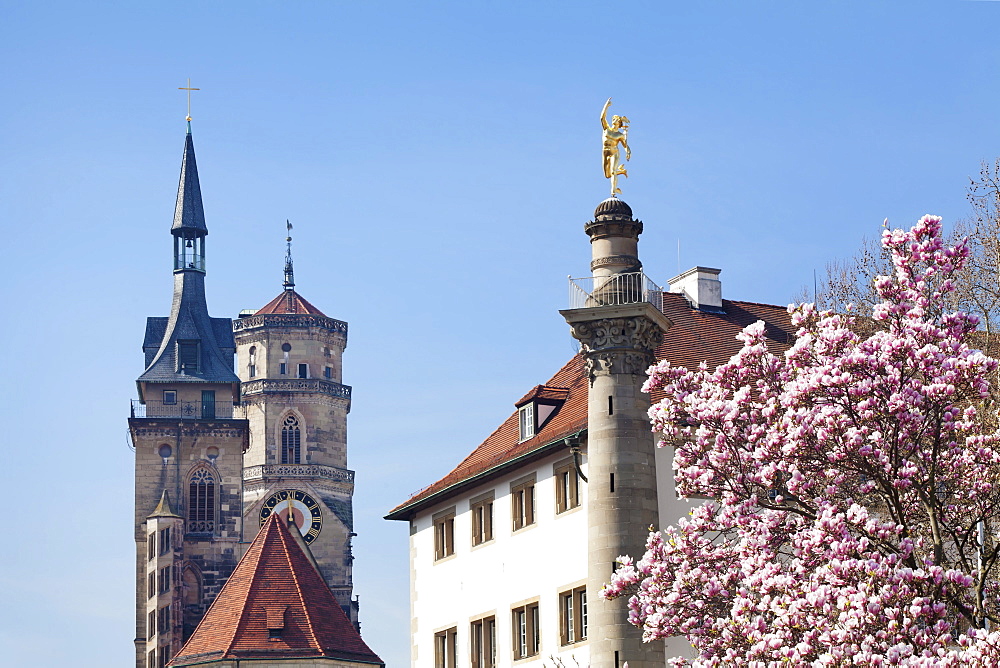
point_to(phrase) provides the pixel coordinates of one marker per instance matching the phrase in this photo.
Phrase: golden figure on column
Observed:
(614, 134)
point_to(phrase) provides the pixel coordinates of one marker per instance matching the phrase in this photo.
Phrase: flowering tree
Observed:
(977, 289)
(854, 487)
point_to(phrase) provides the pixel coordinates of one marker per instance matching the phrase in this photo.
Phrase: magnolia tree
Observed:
(853, 486)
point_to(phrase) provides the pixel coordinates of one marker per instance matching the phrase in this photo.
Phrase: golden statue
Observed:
(614, 134)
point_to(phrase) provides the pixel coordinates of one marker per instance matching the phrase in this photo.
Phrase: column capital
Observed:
(617, 339)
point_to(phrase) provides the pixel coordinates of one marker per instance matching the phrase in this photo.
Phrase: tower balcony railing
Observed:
(183, 410)
(298, 471)
(616, 290)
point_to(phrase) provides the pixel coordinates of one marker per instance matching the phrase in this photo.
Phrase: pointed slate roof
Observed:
(288, 302)
(189, 213)
(189, 319)
(275, 586)
(163, 508)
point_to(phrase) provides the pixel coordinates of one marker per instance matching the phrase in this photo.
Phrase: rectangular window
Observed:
(169, 397)
(483, 641)
(446, 648)
(151, 585)
(573, 615)
(525, 630)
(164, 656)
(282, 368)
(303, 371)
(252, 370)
(165, 579)
(187, 355)
(151, 625)
(164, 540)
(567, 487)
(151, 546)
(526, 421)
(164, 620)
(444, 534)
(482, 519)
(522, 503)
(328, 372)
(151, 659)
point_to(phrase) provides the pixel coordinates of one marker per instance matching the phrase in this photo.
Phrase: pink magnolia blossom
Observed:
(855, 486)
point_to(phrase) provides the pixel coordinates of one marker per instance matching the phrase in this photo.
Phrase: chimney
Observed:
(701, 286)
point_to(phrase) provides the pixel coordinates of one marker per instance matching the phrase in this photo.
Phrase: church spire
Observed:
(189, 227)
(189, 345)
(289, 272)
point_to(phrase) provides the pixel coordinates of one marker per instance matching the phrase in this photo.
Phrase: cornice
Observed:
(289, 320)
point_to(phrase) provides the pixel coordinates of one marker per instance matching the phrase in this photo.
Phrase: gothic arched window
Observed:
(291, 441)
(190, 587)
(201, 502)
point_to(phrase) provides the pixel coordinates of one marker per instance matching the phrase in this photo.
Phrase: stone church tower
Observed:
(290, 361)
(189, 447)
(218, 450)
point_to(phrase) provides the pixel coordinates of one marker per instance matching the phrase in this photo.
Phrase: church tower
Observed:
(189, 440)
(289, 358)
(619, 329)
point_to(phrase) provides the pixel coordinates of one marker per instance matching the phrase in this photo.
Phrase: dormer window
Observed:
(526, 421)
(275, 620)
(187, 356)
(536, 408)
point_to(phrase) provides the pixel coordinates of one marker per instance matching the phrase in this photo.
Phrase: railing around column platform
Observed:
(628, 288)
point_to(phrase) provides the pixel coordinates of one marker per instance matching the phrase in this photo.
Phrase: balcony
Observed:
(298, 471)
(282, 385)
(183, 410)
(617, 290)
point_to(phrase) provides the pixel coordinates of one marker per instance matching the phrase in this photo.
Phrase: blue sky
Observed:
(438, 161)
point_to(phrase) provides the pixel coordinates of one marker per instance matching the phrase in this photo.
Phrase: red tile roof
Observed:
(275, 579)
(289, 301)
(545, 393)
(695, 336)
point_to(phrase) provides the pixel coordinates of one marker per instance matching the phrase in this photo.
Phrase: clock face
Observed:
(305, 509)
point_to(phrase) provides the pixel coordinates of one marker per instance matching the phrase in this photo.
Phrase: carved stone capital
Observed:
(622, 345)
(630, 332)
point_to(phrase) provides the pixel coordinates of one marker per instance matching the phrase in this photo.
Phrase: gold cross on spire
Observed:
(188, 89)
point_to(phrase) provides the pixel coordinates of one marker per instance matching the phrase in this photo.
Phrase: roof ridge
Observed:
(744, 301)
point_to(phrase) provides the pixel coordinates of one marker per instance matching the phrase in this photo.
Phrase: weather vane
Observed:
(614, 134)
(289, 272)
(188, 89)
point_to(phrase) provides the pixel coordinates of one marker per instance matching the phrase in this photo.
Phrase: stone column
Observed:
(618, 343)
